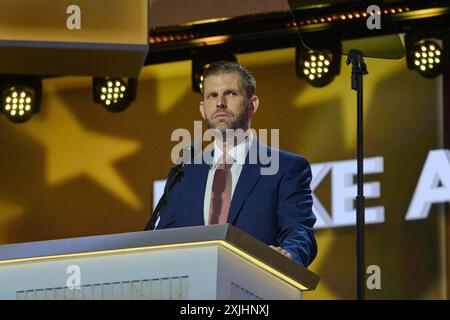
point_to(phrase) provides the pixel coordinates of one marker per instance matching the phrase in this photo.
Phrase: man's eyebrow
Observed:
(236, 89)
(209, 92)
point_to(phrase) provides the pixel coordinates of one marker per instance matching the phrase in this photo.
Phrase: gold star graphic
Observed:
(74, 151)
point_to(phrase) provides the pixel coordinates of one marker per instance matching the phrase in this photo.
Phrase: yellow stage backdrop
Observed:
(76, 170)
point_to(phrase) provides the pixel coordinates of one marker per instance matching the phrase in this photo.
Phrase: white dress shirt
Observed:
(238, 153)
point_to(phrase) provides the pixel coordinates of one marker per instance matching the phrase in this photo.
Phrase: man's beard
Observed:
(240, 122)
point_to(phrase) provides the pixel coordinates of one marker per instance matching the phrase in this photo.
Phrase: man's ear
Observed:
(202, 110)
(254, 104)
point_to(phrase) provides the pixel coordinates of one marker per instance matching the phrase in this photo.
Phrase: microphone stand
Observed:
(355, 57)
(175, 175)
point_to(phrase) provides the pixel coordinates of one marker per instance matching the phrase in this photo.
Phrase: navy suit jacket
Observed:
(275, 209)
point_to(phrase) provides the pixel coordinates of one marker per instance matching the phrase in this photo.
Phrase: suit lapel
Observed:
(249, 176)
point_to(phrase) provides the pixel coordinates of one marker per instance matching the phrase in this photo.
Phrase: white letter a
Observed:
(74, 20)
(433, 186)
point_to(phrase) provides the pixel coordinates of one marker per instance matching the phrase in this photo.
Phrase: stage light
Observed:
(197, 84)
(115, 94)
(203, 60)
(317, 68)
(427, 58)
(20, 97)
(427, 52)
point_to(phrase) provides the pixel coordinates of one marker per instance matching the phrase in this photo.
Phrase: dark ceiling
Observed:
(180, 29)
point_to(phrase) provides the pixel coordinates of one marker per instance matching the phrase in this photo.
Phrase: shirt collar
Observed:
(238, 153)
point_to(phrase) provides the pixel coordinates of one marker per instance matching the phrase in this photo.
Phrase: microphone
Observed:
(175, 175)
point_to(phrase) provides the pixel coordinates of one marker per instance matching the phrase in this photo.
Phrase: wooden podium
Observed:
(204, 262)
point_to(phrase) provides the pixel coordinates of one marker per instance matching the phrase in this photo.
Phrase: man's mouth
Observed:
(221, 116)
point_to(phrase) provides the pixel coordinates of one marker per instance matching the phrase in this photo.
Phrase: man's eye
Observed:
(232, 93)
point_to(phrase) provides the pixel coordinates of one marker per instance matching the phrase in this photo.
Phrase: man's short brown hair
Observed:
(223, 66)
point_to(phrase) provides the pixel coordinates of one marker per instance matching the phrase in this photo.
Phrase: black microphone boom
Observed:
(175, 175)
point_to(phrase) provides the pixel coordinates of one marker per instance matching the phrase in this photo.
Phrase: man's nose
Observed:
(221, 102)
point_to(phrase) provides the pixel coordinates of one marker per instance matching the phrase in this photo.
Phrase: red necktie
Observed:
(220, 194)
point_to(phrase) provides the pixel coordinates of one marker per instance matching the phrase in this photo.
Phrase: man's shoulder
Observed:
(284, 156)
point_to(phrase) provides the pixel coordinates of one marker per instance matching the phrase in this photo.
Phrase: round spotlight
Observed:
(199, 77)
(114, 94)
(316, 68)
(18, 103)
(424, 56)
(200, 82)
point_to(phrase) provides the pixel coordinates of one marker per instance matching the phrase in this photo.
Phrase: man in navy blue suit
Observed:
(236, 186)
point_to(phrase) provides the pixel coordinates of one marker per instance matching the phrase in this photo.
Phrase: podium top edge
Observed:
(236, 240)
